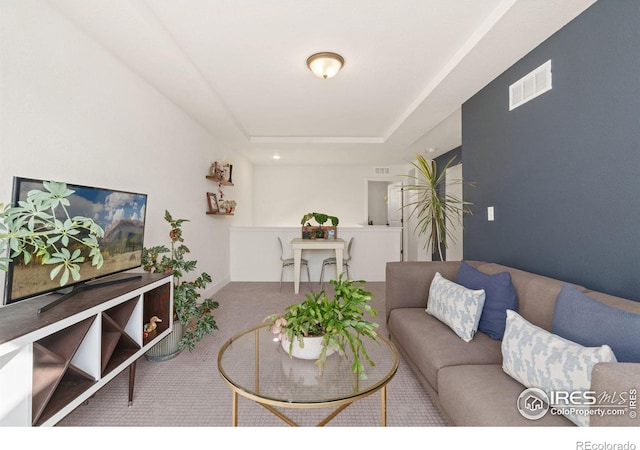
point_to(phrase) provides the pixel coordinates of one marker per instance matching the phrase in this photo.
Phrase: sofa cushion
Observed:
(538, 358)
(500, 296)
(536, 294)
(616, 377)
(588, 322)
(458, 307)
(483, 395)
(432, 345)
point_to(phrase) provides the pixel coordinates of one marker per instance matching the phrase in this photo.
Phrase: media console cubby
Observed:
(53, 361)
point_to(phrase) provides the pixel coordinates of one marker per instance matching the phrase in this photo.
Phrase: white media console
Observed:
(51, 362)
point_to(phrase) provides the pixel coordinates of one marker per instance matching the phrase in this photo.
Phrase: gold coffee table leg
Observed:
(383, 406)
(234, 410)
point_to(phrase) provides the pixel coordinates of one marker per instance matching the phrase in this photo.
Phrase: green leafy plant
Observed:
(196, 316)
(41, 228)
(320, 218)
(435, 209)
(339, 320)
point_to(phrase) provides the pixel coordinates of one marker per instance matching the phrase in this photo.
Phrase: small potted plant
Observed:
(193, 319)
(320, 231)
(337, 323)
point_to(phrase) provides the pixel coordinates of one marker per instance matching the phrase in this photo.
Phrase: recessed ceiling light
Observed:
(276, 156)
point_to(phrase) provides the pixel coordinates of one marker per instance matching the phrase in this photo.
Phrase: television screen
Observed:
(121, 215)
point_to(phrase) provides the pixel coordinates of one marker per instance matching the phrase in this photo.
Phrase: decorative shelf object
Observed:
(220, 173)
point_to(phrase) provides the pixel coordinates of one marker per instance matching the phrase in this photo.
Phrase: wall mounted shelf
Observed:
(219, 181)
(212, 198)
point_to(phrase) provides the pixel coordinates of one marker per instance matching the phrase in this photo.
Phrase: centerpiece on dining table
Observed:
(319, 231)
(328, 325)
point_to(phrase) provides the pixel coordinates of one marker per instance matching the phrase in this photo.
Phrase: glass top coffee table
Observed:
(258, 368)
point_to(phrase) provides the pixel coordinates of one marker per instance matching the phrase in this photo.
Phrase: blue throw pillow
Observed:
(591, 323)
(500, 296)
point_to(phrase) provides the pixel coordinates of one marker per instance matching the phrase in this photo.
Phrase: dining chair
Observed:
(332, 261)
(289, 262)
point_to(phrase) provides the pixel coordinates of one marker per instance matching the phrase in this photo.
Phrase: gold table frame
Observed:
(270, 403)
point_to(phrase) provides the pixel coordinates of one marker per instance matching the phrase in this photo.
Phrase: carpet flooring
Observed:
(187, 391)
(184, 401)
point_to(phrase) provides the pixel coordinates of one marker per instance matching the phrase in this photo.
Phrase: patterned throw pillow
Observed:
(537, 358)
(458, 307)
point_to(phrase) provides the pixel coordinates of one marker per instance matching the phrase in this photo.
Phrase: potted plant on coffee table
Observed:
(338, 324)
(193, 319)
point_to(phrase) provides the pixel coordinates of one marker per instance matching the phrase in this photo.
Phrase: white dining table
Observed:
(299, 244)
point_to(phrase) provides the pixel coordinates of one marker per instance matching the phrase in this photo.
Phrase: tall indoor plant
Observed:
(339, 321)
(435, 209)
(40, 228)
(193, 319)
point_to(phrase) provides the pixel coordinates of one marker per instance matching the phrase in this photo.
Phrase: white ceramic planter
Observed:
(311, 349)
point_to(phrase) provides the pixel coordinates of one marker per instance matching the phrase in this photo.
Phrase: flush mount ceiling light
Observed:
(325, 64)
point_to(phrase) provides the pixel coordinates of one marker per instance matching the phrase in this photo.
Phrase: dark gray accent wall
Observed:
(563, 170)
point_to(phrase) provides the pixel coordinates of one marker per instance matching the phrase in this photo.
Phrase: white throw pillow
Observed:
(455, 305)
(539, 359)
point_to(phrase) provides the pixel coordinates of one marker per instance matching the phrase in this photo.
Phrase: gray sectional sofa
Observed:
(466, 379)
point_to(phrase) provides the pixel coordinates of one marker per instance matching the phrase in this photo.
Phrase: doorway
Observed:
(378, 202)
(385, 206)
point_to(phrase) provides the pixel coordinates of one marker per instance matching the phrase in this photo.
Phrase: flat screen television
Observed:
(120, 214)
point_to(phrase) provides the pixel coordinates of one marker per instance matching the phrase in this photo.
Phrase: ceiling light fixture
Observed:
(325, 64)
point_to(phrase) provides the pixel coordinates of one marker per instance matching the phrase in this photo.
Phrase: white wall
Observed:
(283, 194)
(256, 255)
(70, 111)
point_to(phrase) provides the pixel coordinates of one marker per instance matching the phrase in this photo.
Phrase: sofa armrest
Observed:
(617, 379)
(407, 283)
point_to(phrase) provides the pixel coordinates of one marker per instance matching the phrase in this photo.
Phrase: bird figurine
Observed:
(149, 327)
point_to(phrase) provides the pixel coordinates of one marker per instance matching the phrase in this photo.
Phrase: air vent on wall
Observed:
(382, 171)
(530, 86)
